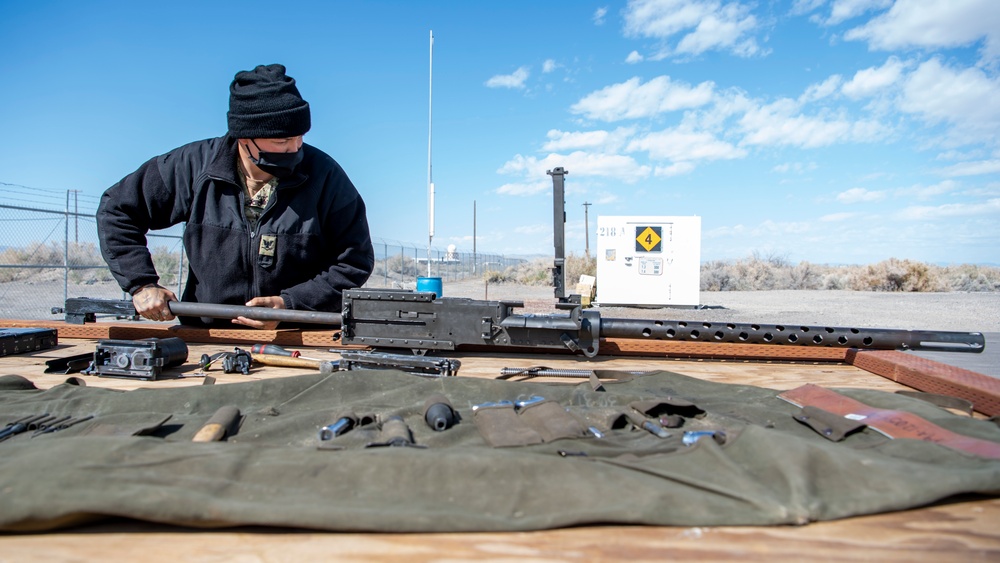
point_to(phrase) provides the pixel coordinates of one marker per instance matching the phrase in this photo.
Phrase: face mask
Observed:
(278, 164)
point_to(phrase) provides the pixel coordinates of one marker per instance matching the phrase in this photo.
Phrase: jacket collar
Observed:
(223, 165)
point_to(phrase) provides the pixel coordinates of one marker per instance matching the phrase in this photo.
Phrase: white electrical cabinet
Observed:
(648, 260)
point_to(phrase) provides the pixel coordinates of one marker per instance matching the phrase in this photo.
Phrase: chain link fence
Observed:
(47, 256)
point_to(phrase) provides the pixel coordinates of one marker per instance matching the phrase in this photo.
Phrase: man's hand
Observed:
(274, 302)
(151, 302)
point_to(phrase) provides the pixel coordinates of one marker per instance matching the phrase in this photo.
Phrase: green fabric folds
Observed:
(275, 471)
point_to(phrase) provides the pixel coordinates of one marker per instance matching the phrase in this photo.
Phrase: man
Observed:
(271, 221)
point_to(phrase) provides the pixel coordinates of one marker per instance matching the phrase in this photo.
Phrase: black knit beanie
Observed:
(265, 104)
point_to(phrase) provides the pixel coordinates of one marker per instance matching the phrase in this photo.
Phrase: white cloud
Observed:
(860, 195)
(974, 168)
(678, 145)
(780, 123)
(675, 169)
(800, 7)
(965, 98)
(634, 58)
(525, 188)
(929, 24)
(922, 192)
(922, 213)
(549, 65)
(632, 99)
(837, 217)
(599, 15)
(514, 80)
(842, 10)
(870, 81)
(580, 164)
(604, 141)
(702, 24)
(795, 167)
(821, 90)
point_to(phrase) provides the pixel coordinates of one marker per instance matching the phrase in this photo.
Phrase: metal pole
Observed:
(430, 177)
(559, 230)
(76, 217)
(66, 252)
(474, 262)
(586, 228)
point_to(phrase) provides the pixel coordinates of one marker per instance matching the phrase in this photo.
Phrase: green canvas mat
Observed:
(770, 469)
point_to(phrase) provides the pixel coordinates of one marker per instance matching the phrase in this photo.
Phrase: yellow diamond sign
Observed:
(648, 239)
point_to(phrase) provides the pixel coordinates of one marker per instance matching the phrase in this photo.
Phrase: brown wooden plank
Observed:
(720, 350)
(141, 329)
(932, 377)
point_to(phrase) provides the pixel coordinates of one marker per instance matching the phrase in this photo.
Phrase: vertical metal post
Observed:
(474, 237)
(559, 230)
(586, 228)
(66, 252)
(76, 216)
(430, 177)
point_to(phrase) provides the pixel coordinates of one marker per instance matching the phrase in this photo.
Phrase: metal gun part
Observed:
(417, 365)
(137, 359)
(421, 322)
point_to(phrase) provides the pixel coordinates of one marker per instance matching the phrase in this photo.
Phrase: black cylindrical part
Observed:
(216, 311)
(439, 417)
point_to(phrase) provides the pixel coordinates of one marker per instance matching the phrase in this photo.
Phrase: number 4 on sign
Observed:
(648, 239)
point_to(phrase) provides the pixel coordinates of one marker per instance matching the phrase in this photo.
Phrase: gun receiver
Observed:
(386, 318)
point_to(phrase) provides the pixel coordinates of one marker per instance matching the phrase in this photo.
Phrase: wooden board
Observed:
(967, 529)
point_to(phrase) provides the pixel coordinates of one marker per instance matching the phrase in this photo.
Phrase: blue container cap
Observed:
(431, 284)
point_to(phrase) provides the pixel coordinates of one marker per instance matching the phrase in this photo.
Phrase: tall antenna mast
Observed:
(430, 177)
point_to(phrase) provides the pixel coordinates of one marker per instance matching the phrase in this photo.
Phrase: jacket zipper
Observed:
(254, 248)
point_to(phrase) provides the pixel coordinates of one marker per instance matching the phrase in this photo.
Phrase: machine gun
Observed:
(421, 322)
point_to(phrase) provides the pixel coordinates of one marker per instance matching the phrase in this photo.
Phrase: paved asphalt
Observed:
(987, 362)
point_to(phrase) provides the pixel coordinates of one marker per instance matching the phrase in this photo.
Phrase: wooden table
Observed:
(962, 529)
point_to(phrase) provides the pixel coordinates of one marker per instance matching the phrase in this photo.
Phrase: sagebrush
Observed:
(768, 272)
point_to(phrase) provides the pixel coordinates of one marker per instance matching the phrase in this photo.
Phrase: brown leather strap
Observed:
(892, 423)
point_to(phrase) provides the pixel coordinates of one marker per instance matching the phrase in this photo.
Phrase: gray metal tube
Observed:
(216, 311)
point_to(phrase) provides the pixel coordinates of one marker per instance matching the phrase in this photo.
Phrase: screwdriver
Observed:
(273, 349)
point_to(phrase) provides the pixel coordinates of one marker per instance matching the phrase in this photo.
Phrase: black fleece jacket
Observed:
(311, 243)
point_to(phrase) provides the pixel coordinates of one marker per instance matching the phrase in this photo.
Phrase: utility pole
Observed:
(586, 227)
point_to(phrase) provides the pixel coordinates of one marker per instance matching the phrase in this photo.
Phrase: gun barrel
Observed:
(217, 311)
(795, 335)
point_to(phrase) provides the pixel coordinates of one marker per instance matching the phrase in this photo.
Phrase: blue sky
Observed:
(829, 131)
